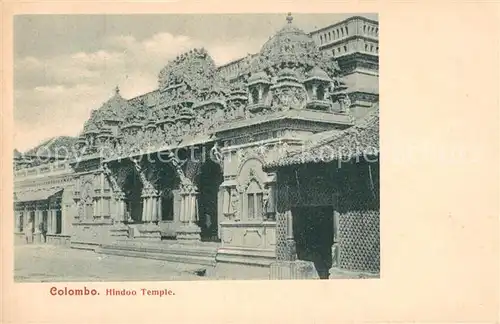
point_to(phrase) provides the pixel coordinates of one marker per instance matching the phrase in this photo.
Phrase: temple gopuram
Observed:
(191, 172)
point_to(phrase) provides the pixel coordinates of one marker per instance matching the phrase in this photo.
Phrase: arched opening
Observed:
(167, 205)
(313, 233)
(133, 190)
(254, 200)
(255, 95)
(208, 180)
(320, 92)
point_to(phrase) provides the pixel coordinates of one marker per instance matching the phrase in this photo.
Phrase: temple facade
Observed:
(179, 171)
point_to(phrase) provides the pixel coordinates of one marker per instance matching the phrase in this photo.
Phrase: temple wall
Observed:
(362, 81)
(58, 239)
(254, 235)
(247, 235)
(90, 235)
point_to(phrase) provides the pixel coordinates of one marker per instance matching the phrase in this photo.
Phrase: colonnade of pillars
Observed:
(151, 207)
(50, 224)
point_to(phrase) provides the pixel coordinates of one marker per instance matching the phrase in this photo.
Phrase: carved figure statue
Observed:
(217, 154)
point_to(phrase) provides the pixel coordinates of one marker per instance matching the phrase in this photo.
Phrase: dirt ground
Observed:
(46, 263)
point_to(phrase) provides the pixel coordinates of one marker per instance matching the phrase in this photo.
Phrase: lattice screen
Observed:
(359, 240)
(281, 247)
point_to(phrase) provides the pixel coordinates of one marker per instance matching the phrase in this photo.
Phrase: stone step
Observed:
(161, 246)
(201, 255)
(83, 245)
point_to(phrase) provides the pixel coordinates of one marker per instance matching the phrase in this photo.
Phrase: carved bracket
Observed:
(148, 189)
(119, 194)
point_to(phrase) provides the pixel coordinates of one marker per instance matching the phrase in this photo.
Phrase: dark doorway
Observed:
(58, 221)
(167, 206)
(209, 180)
(133, 191)
(32, 220)
(45, 222)
(313, 233)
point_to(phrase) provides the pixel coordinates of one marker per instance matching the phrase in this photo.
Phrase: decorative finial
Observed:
(117, 90)
(289, 18)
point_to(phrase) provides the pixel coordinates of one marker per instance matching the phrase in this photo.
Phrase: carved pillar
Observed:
(119, 203)
(159, 209)
(149, 230)
(144, 207)
(119, 196)
(150, 204)
(119, 228)
(226, 196)
(314, 91)
(49, 221)
(189, 231)
(37, 238)
(54, 221)
(290, 241)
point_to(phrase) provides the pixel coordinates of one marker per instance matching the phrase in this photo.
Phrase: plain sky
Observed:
(67, 65)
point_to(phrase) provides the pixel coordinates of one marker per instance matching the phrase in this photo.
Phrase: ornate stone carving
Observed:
(294, 48)
(193, 97)
(235, 201)
(192, 74)
(148, 190)
(117, 191)
(288, 97)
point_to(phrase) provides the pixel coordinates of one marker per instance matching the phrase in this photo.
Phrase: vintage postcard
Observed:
(172, 157)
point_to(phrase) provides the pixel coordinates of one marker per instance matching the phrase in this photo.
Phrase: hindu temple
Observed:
(201, 170)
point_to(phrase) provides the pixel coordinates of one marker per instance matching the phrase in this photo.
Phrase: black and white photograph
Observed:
(187, 147)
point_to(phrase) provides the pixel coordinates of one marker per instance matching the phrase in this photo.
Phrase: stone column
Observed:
(159, 211)
(314, 91)
(144, 208)
(189, 231)
(290, 241)
(26, 218)
(94, 208)
(119, 206)
(225, 200)
(54, 220)
(37, 237)
(154, 209)
(101, 198)
(119, 229)
(182, 216)
(49, 222)
(149, 230)
(261, 93)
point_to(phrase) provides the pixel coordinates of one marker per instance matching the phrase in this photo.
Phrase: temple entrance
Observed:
(167, 205)
(209, 180)
(313, 233)
(133, 191)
